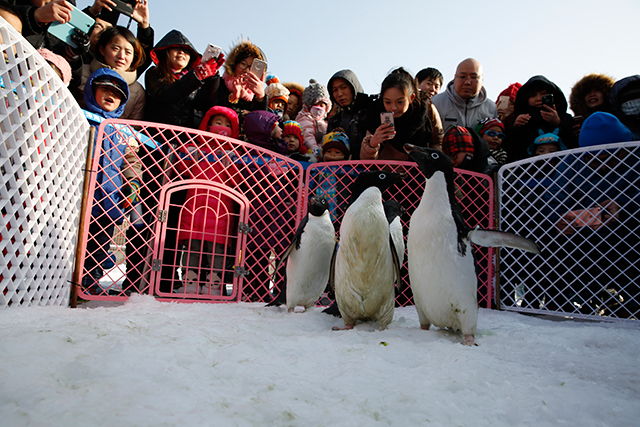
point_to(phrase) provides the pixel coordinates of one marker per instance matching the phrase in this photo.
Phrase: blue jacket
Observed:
(109, 180)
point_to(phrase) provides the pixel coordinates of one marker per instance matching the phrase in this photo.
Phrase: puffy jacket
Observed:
(625, 90)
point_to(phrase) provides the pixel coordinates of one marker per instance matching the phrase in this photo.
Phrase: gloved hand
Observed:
(132, 194)
(209, 68)
(81, 39)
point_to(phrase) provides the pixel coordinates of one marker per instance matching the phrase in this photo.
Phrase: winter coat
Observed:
(181, 102)
(314, 130)
(351, 118)
(134, 109)
(109, 179)
(625, 90)
(455, 110)
(206, 215)
(258, 126)
(583, 87)
(413, 127)
(520, 138)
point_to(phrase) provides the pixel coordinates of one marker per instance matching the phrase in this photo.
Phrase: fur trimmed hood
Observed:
(585, 85)
(243, 49)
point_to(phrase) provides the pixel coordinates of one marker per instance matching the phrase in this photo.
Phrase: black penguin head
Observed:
(392, 210)
(374, 178)
(429, 160)
(318, 205)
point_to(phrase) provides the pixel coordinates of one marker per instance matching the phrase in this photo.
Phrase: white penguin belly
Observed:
(443, 282)
(308, 267)
(364, 271)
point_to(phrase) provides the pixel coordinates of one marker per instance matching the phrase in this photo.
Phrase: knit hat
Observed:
(337, 139)
(315, 93)
(546, 138)
(510, 91)
(603, 128)
(488, 123)
(292, 127)
(228, 113)
(275, 90)
(457, 140)
(59, 62)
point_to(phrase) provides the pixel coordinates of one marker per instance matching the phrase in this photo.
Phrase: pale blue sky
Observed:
(514, 40)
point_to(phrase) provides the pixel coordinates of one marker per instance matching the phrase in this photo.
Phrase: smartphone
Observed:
(258, 67)
(212, 51)
(124, 7)
(386, 118)
(547, 100)
(78, 20)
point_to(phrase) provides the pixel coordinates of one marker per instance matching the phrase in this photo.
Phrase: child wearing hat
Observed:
(492, 131)
(335, 146)
(315, 107)
(293, 135)
(105, 96)
(546, 143)
(457, 143)
(277, 97)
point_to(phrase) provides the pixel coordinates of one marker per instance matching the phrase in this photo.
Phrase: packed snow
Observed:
(148, 363)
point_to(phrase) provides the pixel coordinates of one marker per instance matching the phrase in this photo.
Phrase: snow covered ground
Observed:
(147, 363)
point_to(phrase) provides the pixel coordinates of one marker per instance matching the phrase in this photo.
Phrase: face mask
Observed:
(220, 130)
(631, 108)
(317, 112)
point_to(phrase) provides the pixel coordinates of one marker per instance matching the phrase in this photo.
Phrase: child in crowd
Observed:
(293, 135)
(492, 131)
(466, 150)
(335, 148)
(277, 97)
(295, 99)
(105, 96)
(546, 143)
(315, 106)
(262, 129)
(411, 124)
(58, 63)
(206, 219)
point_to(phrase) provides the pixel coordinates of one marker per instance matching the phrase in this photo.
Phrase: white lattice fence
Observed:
(582, 207)
(42, 155)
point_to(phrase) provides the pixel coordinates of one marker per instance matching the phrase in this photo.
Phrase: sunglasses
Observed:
(493, 134)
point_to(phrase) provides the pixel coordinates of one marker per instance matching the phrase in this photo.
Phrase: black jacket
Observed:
(519, 139)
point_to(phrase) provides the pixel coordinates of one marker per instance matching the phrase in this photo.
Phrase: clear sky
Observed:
(514, 40)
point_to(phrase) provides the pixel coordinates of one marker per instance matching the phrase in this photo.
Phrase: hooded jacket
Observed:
(455, 110)
(583, 87)
(351, 118)
(258, 126)
(625, 90)
(207, 215)
(519, 138)
(183, 101)
(109, 178)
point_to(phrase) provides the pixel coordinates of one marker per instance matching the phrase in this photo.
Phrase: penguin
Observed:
(393, 211)
(441, 263)
(308, 258)
(366, 263)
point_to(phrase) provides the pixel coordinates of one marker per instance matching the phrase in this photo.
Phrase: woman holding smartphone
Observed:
(397, 117)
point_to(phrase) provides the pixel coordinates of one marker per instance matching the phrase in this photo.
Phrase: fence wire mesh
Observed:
(42, 153)
(581, 206)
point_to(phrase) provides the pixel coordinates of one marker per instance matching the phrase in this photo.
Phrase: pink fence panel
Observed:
(475, 193)
(210, 215)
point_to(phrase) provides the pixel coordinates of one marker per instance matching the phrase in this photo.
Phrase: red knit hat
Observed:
(488, 123)
(510, 91)
(292, 127)
(457, 140)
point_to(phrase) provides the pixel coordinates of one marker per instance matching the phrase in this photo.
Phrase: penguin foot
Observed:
(425, 327)
(468, 341)
(346, 328)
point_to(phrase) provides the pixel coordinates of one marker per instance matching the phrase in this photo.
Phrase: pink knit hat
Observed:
(59, 62)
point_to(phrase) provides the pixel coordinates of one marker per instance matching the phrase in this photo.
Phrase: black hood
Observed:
(533, 85)
(174, 38)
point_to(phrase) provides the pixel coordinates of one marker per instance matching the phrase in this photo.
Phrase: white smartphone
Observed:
(258, 67)
(79, 20)
(212, 51)
(386, 118)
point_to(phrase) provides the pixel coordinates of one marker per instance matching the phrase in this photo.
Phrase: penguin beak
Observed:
(409, 148)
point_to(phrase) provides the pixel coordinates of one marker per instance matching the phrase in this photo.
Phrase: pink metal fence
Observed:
(252, 200)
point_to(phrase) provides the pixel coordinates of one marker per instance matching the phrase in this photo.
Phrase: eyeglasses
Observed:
(472, 77)
(493, 134)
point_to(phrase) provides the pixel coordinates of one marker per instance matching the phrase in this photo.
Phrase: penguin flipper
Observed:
(397, 262)
(495, 238)
(332, 269)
